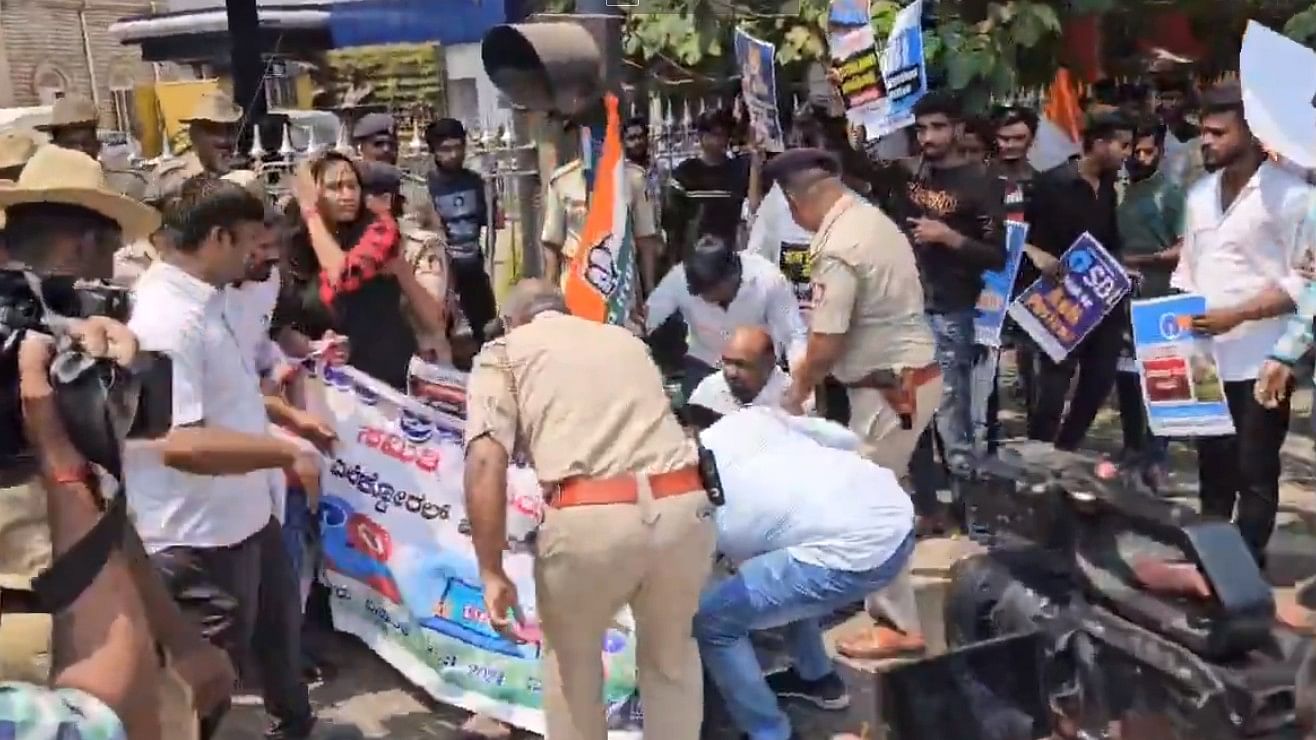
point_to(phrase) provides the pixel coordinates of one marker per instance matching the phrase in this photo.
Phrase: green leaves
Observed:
(1302, 26)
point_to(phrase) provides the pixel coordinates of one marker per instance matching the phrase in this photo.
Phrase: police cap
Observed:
(787, 165)
(373, 124)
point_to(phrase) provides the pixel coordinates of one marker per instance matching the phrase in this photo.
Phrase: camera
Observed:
(100, 402)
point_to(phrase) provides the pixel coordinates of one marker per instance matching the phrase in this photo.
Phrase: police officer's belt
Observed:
(899, 390)
(56, 588)
(623, 489)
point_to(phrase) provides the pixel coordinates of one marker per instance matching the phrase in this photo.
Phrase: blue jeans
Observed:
(985, 375)
(298, 532)
(772, 590)
(953, 333)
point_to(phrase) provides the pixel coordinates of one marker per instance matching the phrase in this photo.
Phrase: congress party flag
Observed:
(600, 279)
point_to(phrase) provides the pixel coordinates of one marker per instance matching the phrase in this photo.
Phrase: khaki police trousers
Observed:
(883, 441)
(654, 556)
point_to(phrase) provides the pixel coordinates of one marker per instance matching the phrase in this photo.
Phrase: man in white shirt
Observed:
(1241, 247)
(810, 527)
(716, 290)
(201, 497)
(750, 375)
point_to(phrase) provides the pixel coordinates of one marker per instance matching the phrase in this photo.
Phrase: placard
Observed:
(1177, 369)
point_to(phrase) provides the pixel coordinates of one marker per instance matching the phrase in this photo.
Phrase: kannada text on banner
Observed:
(989, 314)
(399, 560)
(1180, 378)
(1059, 313)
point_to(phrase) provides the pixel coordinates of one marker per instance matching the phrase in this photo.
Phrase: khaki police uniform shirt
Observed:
(168, 178)
(565, 206)
(866, 287)
(579, 397)
(426, 253)
(25, 552)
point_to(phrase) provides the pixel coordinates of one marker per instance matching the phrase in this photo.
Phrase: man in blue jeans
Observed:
(809, 527)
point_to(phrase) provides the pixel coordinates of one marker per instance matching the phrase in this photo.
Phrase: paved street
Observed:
(372, 697)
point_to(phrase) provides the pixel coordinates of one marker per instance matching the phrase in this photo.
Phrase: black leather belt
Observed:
(57, 587)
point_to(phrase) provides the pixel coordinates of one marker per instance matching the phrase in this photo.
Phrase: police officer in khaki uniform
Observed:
(212, 128)
(565, 206)
(867, 329)
(626, 521)
(73, 122)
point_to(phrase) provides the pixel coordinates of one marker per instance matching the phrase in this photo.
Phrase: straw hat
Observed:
(16, 148)
(58, 175)
(72, 111)
(214, 107)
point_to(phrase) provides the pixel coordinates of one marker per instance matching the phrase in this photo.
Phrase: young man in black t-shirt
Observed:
(706, 193)
(953, 213)
(458, 195)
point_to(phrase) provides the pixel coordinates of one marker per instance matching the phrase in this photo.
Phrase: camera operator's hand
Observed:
(208, 671)
(103, 337)
(41, 420)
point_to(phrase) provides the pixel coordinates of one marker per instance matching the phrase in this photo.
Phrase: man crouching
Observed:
(810, 527)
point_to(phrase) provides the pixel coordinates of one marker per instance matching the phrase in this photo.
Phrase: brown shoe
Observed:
(880, 643)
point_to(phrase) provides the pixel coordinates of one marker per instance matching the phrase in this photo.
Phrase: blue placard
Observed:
(1059, 313)
(989, 314)
(1181, 385)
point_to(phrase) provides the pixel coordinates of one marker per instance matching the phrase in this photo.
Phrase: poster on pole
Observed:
(757, 60)
(1180, 377)
(1059, 313)
(904, 71)
(399, 561)
(989, 314)
(853, 48)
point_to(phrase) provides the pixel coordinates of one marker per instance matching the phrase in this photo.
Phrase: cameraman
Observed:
(63, 220)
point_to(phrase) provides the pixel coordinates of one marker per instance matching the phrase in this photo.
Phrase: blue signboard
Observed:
(1058, 313)
(446, 22)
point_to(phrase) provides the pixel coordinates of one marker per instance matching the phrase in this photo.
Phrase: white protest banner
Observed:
(853, 48)
(399, 560)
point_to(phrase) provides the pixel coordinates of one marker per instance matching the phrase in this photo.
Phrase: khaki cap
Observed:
(72, 111)
(58, 175)
(249, 180)
(215, 107)
(16, 148)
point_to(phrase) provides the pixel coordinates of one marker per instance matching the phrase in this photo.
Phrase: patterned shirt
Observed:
(37, 713)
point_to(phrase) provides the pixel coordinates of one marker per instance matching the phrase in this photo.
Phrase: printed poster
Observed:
(904, 71)
(1059, 314)
(989, 314)
(599, 282)
(758, 84)
(1180, 378)
(853, 48)
(399, 560)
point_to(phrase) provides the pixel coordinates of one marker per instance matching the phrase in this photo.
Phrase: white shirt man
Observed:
(1231, 256)
(215, 381)
(776, 237)
(764, 297)
(714, 393)
(811, 526)
(791, 483)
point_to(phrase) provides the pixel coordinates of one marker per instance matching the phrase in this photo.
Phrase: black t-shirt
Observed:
(969, 201)
(705, 199)
(460, 201)
(1063, 206)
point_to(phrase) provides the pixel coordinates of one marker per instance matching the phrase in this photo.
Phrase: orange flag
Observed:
(600, 279)
(1062, 106)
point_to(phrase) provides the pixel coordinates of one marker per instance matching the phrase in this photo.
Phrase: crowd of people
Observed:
(817, 306)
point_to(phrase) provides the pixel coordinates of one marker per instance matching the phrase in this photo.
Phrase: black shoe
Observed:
(828, 692)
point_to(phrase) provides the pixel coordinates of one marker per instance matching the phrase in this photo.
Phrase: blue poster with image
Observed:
(1177, 369)
(989, 314)
(1058, 313)
(904, 71)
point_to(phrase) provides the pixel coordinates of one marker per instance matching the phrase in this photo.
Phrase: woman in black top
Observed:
(345, 273)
